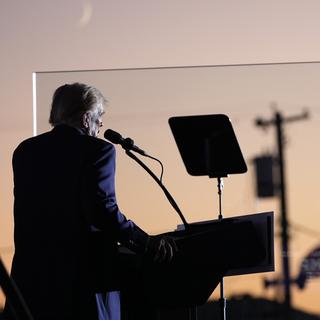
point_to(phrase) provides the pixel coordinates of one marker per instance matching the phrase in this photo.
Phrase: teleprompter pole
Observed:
(222, 301)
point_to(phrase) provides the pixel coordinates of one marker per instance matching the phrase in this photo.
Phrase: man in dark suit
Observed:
(65, 197)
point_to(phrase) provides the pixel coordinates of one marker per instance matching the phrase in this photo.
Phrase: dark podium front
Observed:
(207, 252)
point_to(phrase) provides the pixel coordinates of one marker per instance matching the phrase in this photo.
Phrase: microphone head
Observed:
(113, 136)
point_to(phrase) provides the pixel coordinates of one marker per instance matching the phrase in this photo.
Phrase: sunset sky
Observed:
(93, 35)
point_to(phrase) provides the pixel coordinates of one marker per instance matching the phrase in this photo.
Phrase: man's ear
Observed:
(86, 119)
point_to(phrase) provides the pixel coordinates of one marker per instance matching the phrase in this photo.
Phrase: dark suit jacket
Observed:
(64, 194)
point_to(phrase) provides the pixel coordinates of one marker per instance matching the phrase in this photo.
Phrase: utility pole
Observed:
(278, 121)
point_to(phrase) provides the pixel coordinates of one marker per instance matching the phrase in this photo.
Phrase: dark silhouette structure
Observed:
(278, 122)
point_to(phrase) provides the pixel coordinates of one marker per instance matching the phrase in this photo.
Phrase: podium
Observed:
(200, 264)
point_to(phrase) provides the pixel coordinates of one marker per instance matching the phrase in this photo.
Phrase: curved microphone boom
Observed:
(126, 143)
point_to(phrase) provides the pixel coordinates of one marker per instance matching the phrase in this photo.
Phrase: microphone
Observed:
(126, 143)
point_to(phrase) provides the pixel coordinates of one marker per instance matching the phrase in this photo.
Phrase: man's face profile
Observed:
(93, 121)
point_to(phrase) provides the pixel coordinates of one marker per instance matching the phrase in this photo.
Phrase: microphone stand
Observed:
(164, 189)
(192, 313)
(222, 300)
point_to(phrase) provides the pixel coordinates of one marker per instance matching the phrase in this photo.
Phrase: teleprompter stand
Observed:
(208, 146)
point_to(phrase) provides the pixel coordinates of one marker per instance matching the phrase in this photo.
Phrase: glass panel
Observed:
(142, 100)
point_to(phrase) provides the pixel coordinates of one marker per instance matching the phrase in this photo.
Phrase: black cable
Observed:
(164, 189)
(161, 165)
